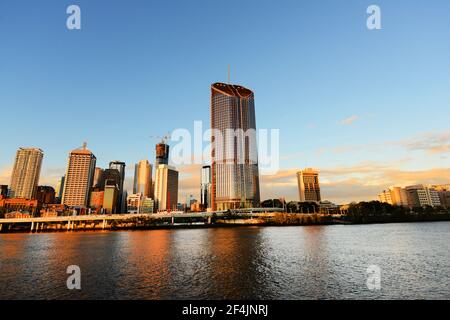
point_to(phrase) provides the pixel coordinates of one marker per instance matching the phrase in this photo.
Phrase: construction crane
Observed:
(164, 138)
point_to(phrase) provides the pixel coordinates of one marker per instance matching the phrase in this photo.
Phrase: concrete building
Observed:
(96, 200)
(143, 178)
(45, 195)
(166, 188)
(385, 197)
(99, 181)
(134, 202)
(79, 177)
(234, 153)
(308, 185)
(110, 195)
(26, 172)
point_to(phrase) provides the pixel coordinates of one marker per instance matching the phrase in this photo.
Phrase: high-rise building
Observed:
(45, 195)
(162, 154)
(99, 181)
(59, 189)
(205, 188)
(121, 198)
(110, 196)
(385, 197)
(25, 174)
(143, 178)
(79, 177)
(308, 185)
(166, 187)
(234, 169)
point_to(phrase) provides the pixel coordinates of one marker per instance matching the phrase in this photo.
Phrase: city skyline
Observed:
(340, 94)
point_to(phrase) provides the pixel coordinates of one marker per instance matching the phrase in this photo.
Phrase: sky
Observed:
(368, 108)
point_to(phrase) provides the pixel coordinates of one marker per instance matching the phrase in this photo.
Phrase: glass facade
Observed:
(235, 178)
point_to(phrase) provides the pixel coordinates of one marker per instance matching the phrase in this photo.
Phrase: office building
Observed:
(25, 174)
(308, 185)
(99, 181)
(143, 178)
(205, 188)
(166, 188)
(147, 205)
(59, 189)
(162, 154)
(110, 197)
(78, 178)
(45, 195)
(234, 169)
(134, 202)
(122, 198)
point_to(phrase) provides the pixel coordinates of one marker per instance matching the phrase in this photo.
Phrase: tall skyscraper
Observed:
(166, 187)
(205, 188)
(235, 177)
(143, 178)
(79, 177)
(308, 185)
(121, 198)
(162, 154)
(25, 174)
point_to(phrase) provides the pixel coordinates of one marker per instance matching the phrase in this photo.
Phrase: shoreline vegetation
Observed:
(356, 213)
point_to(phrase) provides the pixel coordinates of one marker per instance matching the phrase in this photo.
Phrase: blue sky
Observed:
(142, 68)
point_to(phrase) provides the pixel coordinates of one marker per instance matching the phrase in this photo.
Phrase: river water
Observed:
(314, 262)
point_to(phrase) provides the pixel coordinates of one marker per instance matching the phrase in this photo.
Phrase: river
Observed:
(304, 262)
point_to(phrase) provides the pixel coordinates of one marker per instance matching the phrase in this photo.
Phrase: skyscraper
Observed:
(142, 178)
(205, 188)
(121, 198)
(99, 181)
(166, 187)
(25, 174)
(79, 177)
(308, 185)
(235, 177)
(162, 154)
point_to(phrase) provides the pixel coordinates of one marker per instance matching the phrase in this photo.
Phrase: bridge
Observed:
(103, 221)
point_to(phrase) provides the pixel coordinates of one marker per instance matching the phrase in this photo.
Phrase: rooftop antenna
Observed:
(84, 145)
(229, 74)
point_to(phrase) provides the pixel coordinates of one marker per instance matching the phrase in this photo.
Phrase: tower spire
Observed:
(229, 74)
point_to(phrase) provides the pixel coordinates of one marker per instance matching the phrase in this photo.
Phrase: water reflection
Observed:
(319, 262)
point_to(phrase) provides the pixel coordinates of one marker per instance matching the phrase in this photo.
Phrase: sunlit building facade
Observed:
(234, 169)
(79, 177)
(166, 188)
(308, 185)
(26, 172)
(143, 178)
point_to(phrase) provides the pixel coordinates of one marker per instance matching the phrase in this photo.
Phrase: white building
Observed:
(166, 188)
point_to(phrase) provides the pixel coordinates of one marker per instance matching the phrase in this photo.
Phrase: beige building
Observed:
(308, 185)
(25, 174)
(79, 177)
(143, 178)
(385, 197)
(166, 188)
